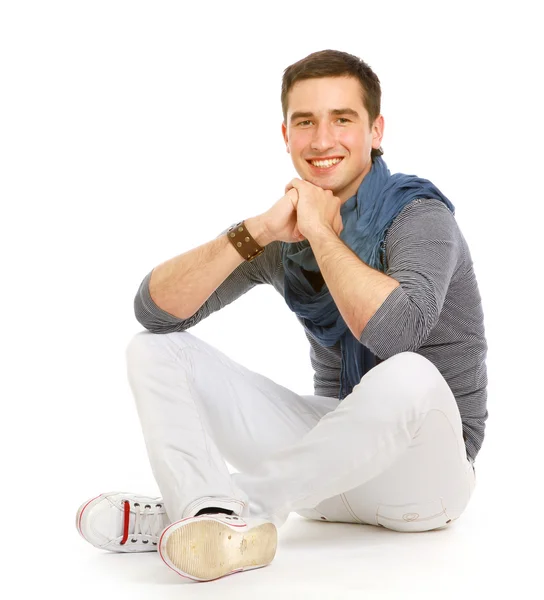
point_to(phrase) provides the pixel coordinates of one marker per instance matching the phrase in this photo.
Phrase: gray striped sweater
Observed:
(436, 311)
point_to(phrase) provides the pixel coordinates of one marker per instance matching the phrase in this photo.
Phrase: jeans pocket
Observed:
(421, 516)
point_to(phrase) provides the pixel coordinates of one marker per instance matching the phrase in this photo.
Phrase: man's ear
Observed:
(285, 138)
(377, 131)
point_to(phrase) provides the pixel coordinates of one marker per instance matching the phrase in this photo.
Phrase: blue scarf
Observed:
(366, 217)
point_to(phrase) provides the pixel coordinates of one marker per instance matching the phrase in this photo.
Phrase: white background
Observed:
(131, 132)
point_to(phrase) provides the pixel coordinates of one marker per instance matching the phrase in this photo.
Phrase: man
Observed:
(381, 278)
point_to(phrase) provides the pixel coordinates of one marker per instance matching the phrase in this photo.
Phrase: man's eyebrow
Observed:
(345, 111)
(337, 111)
(301, 115)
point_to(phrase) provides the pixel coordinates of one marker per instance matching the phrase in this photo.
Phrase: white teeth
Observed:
(326, 163)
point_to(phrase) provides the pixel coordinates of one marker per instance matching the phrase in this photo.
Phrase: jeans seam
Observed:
(349, 509)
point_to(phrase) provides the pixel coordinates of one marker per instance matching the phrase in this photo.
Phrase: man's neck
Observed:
(351, 190)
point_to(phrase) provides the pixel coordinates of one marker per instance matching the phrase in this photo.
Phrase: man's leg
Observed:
(395, 443)
(198, 408)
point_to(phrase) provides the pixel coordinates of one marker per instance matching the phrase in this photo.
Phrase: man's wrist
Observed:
(321, 233)
(258, 230)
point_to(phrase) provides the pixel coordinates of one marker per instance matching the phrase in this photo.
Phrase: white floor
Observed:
(59, 453)
(487, 553)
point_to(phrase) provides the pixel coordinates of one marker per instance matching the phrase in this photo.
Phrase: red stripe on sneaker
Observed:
(127, 518)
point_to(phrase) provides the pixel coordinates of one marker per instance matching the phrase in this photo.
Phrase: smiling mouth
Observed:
(324, 164)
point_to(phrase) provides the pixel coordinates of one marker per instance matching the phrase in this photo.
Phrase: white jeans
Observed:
(390, 454)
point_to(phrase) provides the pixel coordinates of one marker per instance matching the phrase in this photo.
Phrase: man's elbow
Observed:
(405, 332)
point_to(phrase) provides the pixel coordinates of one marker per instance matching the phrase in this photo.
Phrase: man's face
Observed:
(326, 120)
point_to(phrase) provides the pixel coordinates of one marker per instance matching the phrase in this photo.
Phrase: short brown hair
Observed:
(333, 63)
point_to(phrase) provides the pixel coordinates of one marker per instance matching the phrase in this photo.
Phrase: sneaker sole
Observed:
(205, 550)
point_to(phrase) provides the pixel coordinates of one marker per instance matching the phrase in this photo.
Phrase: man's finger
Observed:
(295, 183)
(293, 195)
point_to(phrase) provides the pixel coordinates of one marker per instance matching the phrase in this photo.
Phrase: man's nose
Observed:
(323, 138)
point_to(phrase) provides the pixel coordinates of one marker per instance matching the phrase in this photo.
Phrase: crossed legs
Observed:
(392, 453)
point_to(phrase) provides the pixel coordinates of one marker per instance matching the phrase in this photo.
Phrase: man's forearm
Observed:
(181, 285)
(357, 289)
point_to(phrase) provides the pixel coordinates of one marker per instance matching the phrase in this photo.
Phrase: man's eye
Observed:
(343, 120)
(304, 123)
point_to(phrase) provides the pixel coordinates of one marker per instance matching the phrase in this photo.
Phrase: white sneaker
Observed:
(211, 546)
(122, 522)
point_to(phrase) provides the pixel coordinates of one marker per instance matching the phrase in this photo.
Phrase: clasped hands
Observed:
(318, 210)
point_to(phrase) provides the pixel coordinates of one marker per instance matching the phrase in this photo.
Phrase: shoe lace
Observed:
(147, 522)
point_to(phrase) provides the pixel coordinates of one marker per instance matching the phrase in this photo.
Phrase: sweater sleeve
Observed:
(246, 276)
(424, 249)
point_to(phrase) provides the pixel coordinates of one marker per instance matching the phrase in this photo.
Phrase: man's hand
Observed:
(280, 220)
(317, 209)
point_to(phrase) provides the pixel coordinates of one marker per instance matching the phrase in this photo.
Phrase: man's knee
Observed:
(138, 345)
(411, 371)
(413, 364)
(146, 347)
(402, 383)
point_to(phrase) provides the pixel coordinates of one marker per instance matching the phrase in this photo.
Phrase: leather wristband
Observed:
(242, 240)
